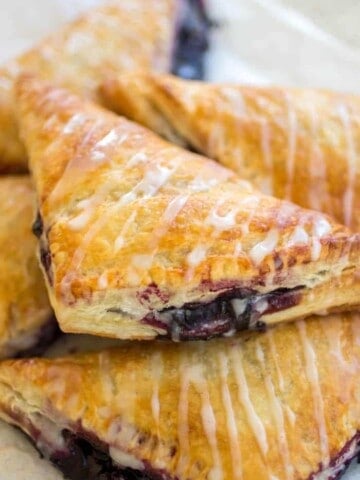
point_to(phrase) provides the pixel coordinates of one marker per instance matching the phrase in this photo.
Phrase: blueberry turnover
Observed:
(26, 321)
(141, 238)
(122, 35)
(283, 405)
(300, 145)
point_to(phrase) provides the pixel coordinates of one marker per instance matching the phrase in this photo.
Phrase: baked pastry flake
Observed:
(26, 319)
(122, 35)
(282, 405)
(302, 145)
(140, 238)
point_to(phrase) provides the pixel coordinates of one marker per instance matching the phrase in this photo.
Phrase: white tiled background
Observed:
(294, 42)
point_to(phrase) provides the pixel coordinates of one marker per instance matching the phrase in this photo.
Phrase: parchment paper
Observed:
(288, 42)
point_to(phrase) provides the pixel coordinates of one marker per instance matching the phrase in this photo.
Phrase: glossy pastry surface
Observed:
(140, 238)
(25, 313)
(284, 404)
(119, 36)
(298, 144)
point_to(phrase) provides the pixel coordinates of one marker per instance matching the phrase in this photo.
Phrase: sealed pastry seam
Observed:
(141, 238)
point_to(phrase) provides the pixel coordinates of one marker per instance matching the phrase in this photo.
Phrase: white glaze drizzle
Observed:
(98, 153)
(216, 141)
(348, 198)
(109, 138)
(277, 414)
(67, 175)
(230, 417)
(321, 227)
(174, 208)
(292, 141)
(183, 419)
(171, 212)
(274, 355)
(298, 237)
(253, 202)
(157, 371)
(219, 224)
(208, 419)
(264, 248)
(107, 382)
(291, 416)
(75, 121)
(313, 378)
(120, 239)
(335, 347)
(317, 166)
(235, 98)
(103, 281)
(125, 459)
(80, 221)
(253, 418)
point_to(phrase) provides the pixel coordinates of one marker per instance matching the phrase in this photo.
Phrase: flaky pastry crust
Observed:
(135, 230)
(118, 36)
(24, 307)
(298, 144)
(285, 405)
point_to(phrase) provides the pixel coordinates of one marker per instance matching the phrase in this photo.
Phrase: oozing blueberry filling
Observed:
(38, 226)
(228, 313)
(45, 255)
(45, 258)
(192, 41)
(86, 459)
(339, 464)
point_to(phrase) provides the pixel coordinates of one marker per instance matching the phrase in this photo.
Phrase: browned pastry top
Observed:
(298, 144)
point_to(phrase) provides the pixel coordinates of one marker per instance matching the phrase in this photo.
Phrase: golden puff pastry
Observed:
(120, 35)
(297, 144)
(25, 314)
(284, 405)
(141, 238)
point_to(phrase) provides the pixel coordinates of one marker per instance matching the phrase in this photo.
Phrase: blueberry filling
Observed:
(340, 462)
(87, 459)
(38, 226)
(45, 259)
(192, 41)
(45, 254)
(231, 312)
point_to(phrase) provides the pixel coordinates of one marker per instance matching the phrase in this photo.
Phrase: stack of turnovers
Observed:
(284, 405)
(161, 35)
(140, 238)
(26, 319)
(298, 144)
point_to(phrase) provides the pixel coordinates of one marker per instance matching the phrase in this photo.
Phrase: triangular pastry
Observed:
(298, 144)
(119, 36)
(284, 405)
(26, 320)
(141, 238)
